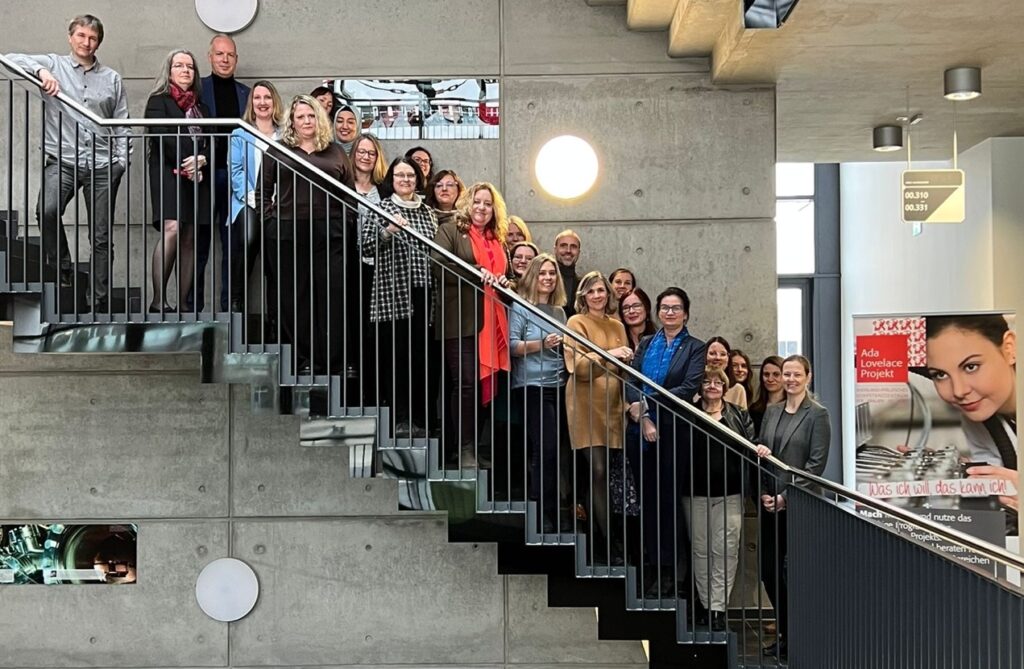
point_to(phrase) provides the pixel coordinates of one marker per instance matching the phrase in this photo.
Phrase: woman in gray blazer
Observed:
(796, 431)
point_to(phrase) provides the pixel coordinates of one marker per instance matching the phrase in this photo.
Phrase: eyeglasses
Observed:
(671, 309)
(627, 308)
(182, 66)
(421, 161)
(405, 177)
(445, 185)
(369, 153)
(712, 383)
(519, 258)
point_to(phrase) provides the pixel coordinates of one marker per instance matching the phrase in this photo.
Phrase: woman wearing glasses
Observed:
(635, 314)
(520, 255)
(718, 356)
(713, 505)
(674, 360)
(179, 181)
(443, 192)
(400, 300)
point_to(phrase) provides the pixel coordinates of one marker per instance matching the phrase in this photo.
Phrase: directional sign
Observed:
(933, 196)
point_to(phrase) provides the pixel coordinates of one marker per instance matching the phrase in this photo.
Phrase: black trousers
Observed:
(548, 450)
(773, 565)
(402, 373)
(288, 268)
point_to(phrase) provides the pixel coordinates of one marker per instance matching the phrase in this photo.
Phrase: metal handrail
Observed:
(991, 551)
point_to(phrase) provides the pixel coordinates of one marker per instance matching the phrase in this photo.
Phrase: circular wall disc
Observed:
(227, 589)
(226, 16)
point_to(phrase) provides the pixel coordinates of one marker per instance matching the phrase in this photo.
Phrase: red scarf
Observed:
(493, 339)
(185, 100)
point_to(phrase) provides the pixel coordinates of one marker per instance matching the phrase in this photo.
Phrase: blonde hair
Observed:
(528, 283)
(324, 131)
(499, 221)
(380, 167)
(714, 373)
(586, 283)
(521, 224)
(278, 114)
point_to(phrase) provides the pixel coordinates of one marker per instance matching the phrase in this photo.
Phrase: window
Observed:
(794, 254)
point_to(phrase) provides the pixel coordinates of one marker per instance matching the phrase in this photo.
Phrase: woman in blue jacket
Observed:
(245, 156)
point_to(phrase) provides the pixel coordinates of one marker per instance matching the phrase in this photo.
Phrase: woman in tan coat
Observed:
(593, 397)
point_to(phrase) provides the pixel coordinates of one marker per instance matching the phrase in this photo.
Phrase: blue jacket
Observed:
(684, 372)
(243, 167)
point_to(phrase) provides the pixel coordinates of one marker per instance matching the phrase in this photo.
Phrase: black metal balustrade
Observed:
(307, 295)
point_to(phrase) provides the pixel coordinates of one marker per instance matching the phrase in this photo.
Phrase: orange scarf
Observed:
(492, 344)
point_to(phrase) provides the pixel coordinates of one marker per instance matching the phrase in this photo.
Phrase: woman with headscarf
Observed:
(346, 127)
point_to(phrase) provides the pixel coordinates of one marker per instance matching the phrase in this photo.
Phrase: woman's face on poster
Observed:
(973, 374)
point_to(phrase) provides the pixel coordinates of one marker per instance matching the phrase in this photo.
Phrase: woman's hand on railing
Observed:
(50, 85)
(762, 451)
(650, 430)
(400, 222)
(623, 353)
(490, 279)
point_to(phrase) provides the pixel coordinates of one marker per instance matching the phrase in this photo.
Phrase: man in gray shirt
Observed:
(79, 154)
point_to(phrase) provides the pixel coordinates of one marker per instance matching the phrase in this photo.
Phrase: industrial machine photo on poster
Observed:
(57, 554)
(936, 419)
(422, 108)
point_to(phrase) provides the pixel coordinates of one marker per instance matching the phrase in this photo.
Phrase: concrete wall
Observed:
(346, 579)
(686, 167)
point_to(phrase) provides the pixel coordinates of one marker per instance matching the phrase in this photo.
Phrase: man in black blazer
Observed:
(225, 98)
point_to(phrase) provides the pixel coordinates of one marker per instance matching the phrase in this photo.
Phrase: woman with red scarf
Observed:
(474, 324)
(179, 181)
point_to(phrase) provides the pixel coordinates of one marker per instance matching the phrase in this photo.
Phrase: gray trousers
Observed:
(99, 187)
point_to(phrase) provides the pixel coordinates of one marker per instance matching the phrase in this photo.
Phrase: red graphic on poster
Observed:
(882, 359)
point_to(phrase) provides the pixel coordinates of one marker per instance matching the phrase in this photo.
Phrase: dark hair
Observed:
(431, 197)
(677, 292)
(88, 21)
(761, 403)
(621, 270)
(992, 327)
(746, 383)
(429, 175)
(645, 300)
(387, 187)
(321, 90)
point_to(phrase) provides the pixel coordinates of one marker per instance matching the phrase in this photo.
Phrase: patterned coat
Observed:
(399, 261)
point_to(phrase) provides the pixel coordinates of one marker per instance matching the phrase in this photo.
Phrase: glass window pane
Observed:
(794, 179)
(791, 320)
(794, 237)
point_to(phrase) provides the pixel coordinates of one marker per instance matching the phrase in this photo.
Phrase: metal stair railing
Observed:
(433, 428)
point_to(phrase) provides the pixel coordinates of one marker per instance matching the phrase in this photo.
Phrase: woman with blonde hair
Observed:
(474, 326)
(538, 372)
(265, 111)
(297, 215)
(517, 232)
(593, 397)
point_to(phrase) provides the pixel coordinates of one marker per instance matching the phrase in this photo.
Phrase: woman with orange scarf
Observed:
(474, 325)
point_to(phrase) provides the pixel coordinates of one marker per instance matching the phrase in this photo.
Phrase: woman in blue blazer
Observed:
(673, 359)
(245, 156)
(797, 431)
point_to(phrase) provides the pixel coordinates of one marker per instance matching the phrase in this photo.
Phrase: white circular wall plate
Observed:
(226, 16)
(227, 589)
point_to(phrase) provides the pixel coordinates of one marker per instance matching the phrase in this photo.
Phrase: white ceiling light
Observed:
(566, 167)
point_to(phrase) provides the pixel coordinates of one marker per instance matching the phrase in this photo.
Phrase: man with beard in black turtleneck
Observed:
(226, 98)
(567, 250)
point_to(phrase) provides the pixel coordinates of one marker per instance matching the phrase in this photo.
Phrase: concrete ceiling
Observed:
(842, 67)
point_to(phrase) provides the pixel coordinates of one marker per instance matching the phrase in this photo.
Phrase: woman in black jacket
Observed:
(179, 180)
(713, 498)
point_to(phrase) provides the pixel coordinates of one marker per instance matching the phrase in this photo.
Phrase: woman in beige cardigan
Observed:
(593, 397)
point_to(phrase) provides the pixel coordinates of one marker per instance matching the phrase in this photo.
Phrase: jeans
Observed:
(60, 184)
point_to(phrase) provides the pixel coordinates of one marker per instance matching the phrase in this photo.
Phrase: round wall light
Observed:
(962, 83)
(226, 16)
(566, 167)
(227, 589)
(888, 138)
